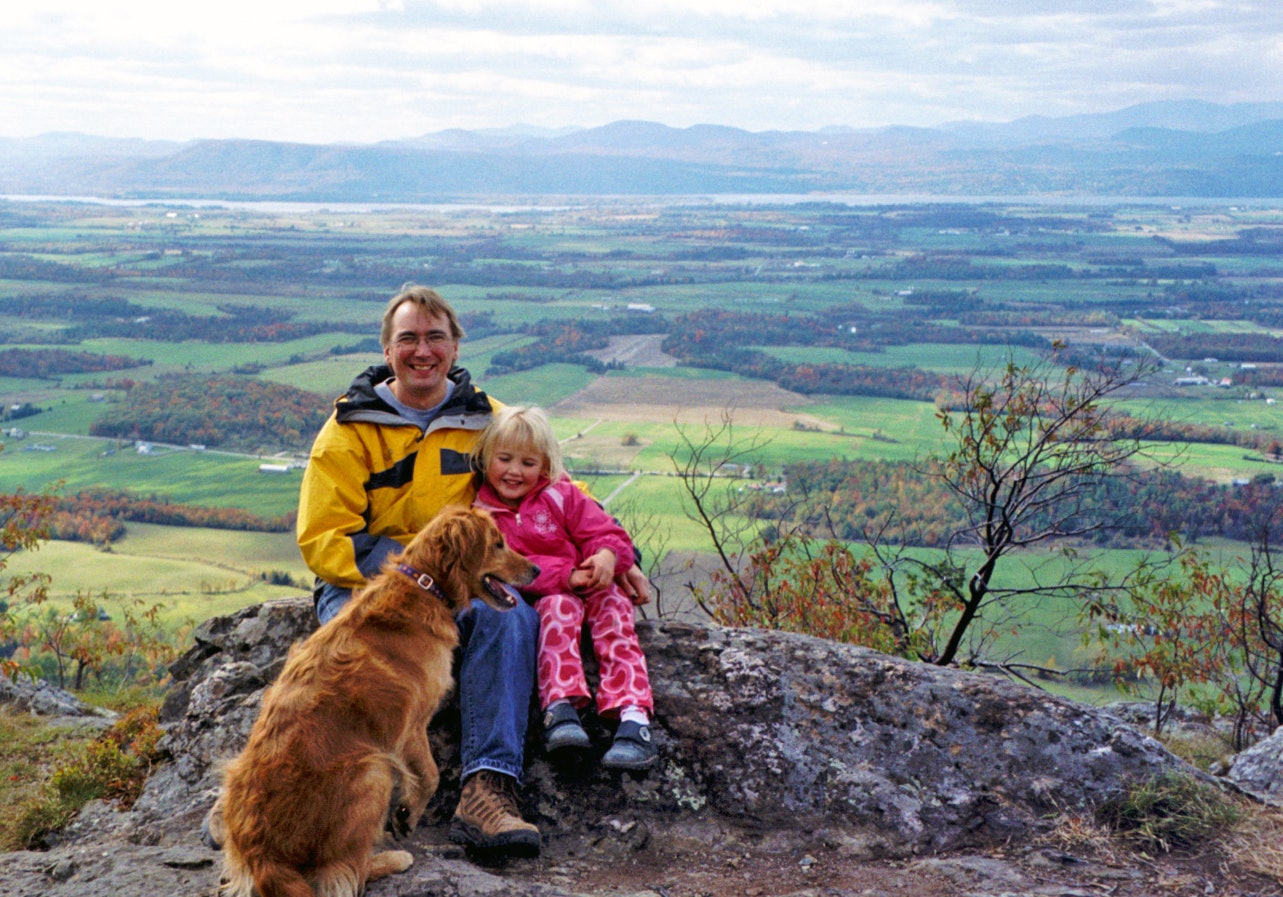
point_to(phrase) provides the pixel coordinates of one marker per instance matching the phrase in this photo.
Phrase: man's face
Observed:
(420, 351)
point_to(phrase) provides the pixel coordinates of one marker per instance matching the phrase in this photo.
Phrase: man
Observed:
(393, 454)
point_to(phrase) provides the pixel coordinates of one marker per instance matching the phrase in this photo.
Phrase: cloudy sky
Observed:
(366, 70)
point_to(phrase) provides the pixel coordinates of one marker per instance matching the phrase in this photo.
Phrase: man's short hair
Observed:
(427, 299)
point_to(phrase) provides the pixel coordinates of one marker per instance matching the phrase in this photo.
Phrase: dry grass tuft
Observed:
(65, 770)
(1074, 833)
(1242, 837)
(1256, 842)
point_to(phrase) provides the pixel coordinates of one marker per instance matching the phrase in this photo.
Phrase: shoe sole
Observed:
(631, 765)
(564, 743)
(513, 844)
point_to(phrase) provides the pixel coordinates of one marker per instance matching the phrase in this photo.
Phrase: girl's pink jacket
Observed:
(557, 526)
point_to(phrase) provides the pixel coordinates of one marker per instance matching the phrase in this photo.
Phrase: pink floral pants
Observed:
(622, 666)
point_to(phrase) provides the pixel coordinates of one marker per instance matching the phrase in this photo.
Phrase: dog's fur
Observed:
(340, 751)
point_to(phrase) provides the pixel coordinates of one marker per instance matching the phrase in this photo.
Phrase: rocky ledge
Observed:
(769, 742)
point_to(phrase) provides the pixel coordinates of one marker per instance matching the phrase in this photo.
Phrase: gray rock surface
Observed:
(40, 698)
(1257, 770)
(767, 740)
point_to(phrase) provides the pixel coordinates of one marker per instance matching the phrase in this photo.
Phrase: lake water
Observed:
(554, 203)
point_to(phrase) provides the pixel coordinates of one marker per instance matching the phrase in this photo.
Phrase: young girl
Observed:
(580, 550)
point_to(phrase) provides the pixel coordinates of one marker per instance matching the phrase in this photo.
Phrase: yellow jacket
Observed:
(374, 475)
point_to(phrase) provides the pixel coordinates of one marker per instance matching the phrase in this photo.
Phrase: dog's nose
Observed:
(535, 568)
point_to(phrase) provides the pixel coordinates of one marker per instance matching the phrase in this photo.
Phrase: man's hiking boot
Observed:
(489, 820)
(562, 729)
(632, 749)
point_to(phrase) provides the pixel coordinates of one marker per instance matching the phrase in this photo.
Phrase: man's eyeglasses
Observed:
(435, 339)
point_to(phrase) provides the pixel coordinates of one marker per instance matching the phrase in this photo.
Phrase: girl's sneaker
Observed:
(562, 728)
(632, 748)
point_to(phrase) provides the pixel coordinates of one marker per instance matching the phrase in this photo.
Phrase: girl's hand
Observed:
(593, 573)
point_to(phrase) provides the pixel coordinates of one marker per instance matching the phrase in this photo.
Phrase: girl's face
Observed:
(513, 471)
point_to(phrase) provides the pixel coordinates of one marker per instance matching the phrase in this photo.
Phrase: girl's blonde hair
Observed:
(520, 428)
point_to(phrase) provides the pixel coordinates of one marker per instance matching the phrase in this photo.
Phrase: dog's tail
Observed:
(256, 875)
(264, 878)
(283, 881)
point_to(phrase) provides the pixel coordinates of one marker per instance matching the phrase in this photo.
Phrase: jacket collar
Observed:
(361, 402)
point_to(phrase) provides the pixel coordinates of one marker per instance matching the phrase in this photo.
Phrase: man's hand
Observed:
(635, 585)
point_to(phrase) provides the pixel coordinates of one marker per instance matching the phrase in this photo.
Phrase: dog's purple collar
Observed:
(422, 580)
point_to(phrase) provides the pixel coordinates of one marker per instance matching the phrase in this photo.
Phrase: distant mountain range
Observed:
(1184, 148)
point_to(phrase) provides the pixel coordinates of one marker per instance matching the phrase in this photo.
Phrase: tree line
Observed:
(726, 340)
(224, 411)
(910, 503)
(1248, 347)
(111, 316)
(48, 363)
(98, 516)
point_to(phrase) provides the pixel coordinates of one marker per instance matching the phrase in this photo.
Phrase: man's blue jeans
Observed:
(496, 680)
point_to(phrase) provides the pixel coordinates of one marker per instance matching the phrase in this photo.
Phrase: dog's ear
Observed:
(451, 538)
(463, 547)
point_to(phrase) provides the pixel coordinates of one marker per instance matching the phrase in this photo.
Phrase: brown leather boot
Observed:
(489, 820)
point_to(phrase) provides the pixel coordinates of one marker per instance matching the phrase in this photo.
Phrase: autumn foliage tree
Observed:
(69, 647)
(1204, 629)
(1024, 452)
(777, 574)
(46, 639)
(1165, 634)
(1024, 448)
(23, 517)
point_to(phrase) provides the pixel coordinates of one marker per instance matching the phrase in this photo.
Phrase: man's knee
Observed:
(515, 630)
(329, 600)
(519, 622)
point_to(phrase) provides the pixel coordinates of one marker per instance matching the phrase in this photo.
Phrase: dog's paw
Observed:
(398, 824)
(211, 830)
(389, 862)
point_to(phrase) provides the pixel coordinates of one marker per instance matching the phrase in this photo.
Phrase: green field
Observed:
(183, 476)
(950, 358)
(193, 356)
(1213, 408)
(866, 268)
(191, 573)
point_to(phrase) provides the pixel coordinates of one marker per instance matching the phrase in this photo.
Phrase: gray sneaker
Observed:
(562, 729)
(632, 749)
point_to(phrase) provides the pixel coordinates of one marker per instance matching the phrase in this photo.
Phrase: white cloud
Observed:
(365, 70)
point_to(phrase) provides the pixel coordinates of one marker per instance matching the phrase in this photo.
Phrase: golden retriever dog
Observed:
(339, 752)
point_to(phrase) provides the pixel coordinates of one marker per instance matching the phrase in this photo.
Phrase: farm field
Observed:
(945, 358)
(179, 474)
(640, 329)
(191, 572)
